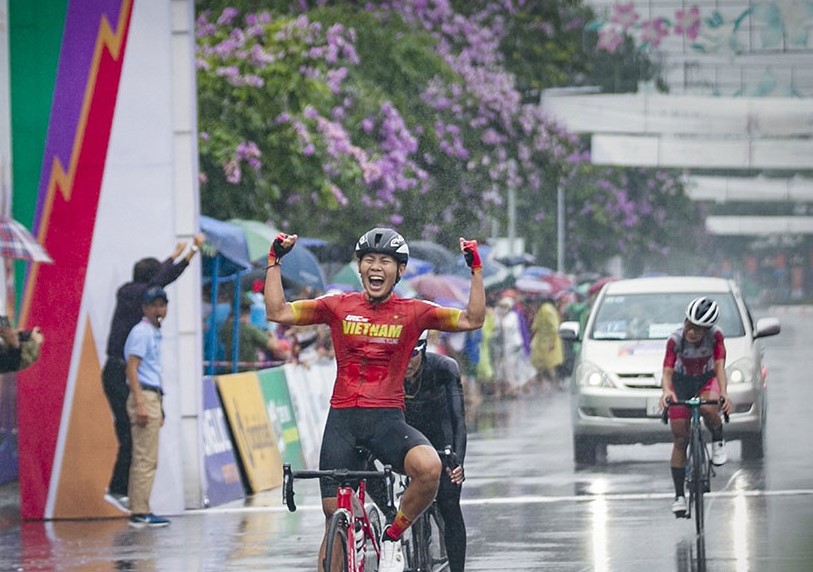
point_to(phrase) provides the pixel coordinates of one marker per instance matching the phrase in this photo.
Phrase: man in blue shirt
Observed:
(142, 353)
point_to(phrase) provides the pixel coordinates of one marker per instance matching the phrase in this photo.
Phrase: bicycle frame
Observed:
(699, 468)
(351, 521)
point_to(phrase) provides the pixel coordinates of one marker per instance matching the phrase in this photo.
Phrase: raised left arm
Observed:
(473, 316)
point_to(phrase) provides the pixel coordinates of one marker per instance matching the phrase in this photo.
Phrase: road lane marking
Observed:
(529, 499)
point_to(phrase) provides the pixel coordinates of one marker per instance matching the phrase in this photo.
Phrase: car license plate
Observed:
(653, 407)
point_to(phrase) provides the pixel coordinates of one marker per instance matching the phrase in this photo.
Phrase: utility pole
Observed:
(560, 228)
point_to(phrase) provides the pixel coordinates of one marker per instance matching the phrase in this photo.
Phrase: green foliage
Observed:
(544, 46)
(346, 117)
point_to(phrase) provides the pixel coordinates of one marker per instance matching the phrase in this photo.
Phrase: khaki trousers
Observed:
(145, 451)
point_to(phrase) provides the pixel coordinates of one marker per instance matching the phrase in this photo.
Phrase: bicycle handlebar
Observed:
(344, 476)
(693, 402)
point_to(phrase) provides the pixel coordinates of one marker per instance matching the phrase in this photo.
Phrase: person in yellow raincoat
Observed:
(546, 345)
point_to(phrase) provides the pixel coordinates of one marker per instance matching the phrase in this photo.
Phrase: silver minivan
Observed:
(616, 383)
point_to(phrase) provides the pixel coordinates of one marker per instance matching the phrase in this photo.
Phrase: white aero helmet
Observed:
(420, 345)
(703, 312)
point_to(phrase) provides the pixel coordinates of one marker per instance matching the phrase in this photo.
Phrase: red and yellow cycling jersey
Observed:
(373, 342)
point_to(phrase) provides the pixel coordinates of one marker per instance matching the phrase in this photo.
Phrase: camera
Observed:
(4, 323)
(24, 335)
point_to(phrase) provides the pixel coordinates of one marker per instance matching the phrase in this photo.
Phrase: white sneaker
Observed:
(121, 502)
(391, 558)
(718, 453)
(679, 507)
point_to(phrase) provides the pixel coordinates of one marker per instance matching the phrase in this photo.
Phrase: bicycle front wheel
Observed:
(436, 549)
(419, 559)
(699, 467)
(336, 548)
(370, 556)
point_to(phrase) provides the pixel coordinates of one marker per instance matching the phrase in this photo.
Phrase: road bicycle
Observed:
(699, 468)
(423, 545)
(354, 532)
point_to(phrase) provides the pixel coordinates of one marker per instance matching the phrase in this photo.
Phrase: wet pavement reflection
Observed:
(526, 506)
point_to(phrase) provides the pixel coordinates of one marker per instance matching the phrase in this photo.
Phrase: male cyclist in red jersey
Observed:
(694, 365)
(373, 335)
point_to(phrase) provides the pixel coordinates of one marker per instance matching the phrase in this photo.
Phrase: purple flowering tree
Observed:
(328, 118)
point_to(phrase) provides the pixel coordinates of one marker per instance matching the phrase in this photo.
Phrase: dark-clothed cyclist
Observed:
(694, 365)
(435, 406)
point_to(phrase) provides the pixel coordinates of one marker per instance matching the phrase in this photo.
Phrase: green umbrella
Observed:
(259, 236)
(349, 275)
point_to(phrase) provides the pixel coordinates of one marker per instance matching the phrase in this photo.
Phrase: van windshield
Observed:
(655, 316)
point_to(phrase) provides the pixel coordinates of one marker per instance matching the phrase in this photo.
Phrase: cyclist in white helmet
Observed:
(694, 365)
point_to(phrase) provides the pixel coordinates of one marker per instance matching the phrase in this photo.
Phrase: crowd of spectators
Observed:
(517, 351)
(260, 342)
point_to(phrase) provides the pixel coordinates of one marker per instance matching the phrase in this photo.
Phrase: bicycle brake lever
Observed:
(725, 415)
(390, 483)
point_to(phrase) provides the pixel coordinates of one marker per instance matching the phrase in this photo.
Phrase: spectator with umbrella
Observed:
(18, 349)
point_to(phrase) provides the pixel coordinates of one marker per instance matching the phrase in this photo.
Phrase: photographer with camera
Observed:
(18, 349)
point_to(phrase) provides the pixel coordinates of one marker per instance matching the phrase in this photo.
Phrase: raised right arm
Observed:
(276, 308)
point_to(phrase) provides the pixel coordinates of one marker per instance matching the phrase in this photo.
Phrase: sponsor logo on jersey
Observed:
(355, 318)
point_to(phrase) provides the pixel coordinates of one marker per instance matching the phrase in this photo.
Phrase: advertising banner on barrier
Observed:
(281, 414)
(310, 388)
(251, 430)
(222, 475)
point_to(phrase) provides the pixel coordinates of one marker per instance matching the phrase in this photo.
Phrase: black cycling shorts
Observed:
(384, 432)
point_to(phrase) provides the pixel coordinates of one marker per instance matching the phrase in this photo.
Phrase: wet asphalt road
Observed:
(526, 506)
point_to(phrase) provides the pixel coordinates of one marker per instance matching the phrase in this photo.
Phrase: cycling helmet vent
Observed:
(703, 312)
(383, 241)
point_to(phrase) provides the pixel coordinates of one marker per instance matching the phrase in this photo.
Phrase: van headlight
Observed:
(741, 371)
(589, 375)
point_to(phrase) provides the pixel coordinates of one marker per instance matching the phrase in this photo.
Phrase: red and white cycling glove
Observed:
(278, 250)
(469, 248)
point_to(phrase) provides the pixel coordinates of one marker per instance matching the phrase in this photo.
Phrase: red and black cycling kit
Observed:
(372, 342)
(693, 365)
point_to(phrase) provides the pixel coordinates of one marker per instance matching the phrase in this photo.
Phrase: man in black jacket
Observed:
(147, 273)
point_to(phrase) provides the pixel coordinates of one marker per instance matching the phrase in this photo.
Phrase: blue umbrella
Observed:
(230, 243)
(416, 267)
(302, 268)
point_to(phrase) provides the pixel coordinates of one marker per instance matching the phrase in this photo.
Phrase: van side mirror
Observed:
(767, 327)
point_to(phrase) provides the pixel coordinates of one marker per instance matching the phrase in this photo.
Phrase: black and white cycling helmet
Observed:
(383, 241)
(703, 312)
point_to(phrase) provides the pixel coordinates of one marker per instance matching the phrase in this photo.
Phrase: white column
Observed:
(187, 212)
